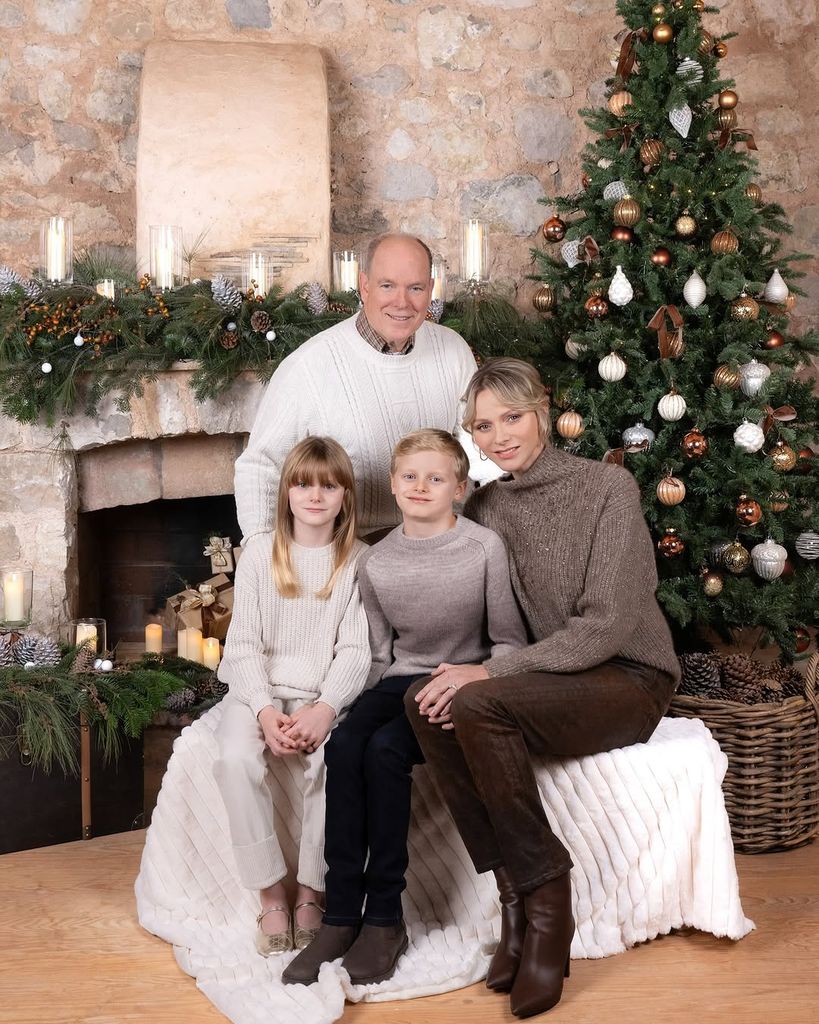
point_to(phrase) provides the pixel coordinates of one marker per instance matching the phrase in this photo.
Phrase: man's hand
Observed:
(435, 698)
(310, 724)
(274, 723)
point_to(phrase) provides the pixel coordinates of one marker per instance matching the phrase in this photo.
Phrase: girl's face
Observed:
(315, 505)
(510, 438)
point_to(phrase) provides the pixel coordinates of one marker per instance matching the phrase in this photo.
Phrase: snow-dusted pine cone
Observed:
(226, 293)
(260, 321)
(33, 289)
(6, 652)
(33, 648)
(8, 279)
(741, 679)
(316, 299)
(181, 700)
(436, 309)
(700, 675)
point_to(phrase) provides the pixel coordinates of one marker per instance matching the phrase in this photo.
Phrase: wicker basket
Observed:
(772, 783)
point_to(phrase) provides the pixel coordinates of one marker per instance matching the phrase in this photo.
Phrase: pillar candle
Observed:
(210, 652)
(55, 254)
(86, 634)
(14, 596)
(181, 643)
(193, 644)
(153, 638)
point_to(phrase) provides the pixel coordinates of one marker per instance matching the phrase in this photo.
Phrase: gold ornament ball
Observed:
(544, 298)
(685, 226)
(554, 230)
(651, 152)
(626, 212)
(736, 558)
(779, 501)
(570, 424)
(782, 456)
(621, 234)
(618, 101)
(658, 10)
(661, 257)
(726, 377)
(727, 99)
(706, 42)
(727, 119)
(720, 49)
(694, 445)
(670, 491)
(596, 306)
(753, 192)
(712, 583)
(744, 308)
(662, 33)
(724, 243)
(747, 510)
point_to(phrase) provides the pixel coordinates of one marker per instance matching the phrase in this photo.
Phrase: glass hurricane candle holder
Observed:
(15, 598)
(107, 286)
(90, 632)
(257, 273)
(474, 251)
(57, 250)
(165, 256)
(346, 264)
(438, 279)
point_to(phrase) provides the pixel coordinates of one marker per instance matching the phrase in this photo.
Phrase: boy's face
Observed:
(425, 485)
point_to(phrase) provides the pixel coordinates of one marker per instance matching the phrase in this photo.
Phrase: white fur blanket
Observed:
(646, 826)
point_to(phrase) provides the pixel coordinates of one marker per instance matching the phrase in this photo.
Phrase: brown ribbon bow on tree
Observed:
(736, 135)
(783, 414)
(627, 132)
(628, 51)
(665, 338)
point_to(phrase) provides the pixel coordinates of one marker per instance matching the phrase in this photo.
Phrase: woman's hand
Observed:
(435, 698)
(274, 724)
(310, 725)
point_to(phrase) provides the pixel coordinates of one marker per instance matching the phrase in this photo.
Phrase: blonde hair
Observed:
(432, 440)
(516, 384)
(315, 460)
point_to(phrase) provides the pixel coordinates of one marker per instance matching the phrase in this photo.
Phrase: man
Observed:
(366, 382)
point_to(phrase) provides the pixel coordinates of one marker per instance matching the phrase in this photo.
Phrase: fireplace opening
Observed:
(133, 557)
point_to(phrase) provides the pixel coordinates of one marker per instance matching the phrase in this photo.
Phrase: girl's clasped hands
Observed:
(303, 731)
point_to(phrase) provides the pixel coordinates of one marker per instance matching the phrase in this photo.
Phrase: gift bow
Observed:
(783, 414)
(218, 550)
(204, 597)
(657, 323)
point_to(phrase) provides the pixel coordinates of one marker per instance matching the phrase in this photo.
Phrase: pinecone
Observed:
(211, 687)
(780, 682)
(700, 675)
(6, 652)
(260, 321)
(84, 660)
(33, 648)
(229, 339)
(33, 289)
(338, 307)
(316, 299)
(741, 679)
(9, 279)
(436, 309)
(226, 293)
(181, 700)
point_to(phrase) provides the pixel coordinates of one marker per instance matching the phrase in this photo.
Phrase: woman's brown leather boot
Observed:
(545, 959)
(504, 965)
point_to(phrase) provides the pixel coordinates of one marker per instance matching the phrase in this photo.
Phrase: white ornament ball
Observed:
(604, 162)
(690, 70)
(769, 559)
(232, 325)
(271, 335)
(79, 340)
(29, 665)
(46, 367)
(98, 663)
(752, 376)
(807, 545)
(639, 434)
(106, 665)
(573, 349)
(749, 437)
(612, 367)
(694, 290)
(620, 290)
(615, 190)
(672, 407)
(775, 290)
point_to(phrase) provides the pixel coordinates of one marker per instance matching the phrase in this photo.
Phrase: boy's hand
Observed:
(309, 725)
(274, 723)
(435, 698)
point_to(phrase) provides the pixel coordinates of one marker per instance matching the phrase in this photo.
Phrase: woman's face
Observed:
(508, 437)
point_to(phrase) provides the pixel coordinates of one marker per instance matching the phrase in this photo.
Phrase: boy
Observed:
(435, 589)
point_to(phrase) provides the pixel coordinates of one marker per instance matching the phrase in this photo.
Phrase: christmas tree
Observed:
(667, 296)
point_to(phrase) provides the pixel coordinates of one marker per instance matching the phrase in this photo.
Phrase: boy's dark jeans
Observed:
(484, 770)
(369, 760)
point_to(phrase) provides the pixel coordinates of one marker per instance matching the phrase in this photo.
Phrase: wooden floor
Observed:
(71, 951)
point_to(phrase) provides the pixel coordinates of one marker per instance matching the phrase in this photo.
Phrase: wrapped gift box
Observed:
(209, 607)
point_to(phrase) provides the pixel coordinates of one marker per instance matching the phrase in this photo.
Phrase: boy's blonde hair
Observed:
(315, 460)
(432, 440)
(516, 384)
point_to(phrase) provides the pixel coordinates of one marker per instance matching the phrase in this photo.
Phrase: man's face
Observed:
(396, 290)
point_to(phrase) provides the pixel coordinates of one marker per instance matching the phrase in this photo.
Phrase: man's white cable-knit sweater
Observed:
(337, 385)
(296, 647)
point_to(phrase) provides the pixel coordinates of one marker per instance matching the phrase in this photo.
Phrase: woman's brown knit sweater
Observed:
(582, 566)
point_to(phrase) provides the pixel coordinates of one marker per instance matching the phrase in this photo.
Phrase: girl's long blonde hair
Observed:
(315, 460)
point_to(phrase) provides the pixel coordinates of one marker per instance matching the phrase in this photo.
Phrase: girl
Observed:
(296, 655)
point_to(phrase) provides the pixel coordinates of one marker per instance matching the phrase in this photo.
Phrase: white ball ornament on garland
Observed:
(672, 406)
(769, 559)
(807, 545)
(270, 335)
(694, 290)
(79, 340)
(46, 368)
(231, 326)
(775, 290)
(638, 436)
(604, 162)
(612, 367)
(752, 376)
(620, 290)
(750, 437)
(98, 663)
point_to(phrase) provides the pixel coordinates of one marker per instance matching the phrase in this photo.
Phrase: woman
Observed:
(598, 674)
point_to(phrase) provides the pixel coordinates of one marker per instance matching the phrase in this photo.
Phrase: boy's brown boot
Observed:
(374, 954)
(331, 942)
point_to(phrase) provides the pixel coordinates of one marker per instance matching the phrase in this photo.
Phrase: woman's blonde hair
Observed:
(315, 460)
(516, 384)
(430, 439)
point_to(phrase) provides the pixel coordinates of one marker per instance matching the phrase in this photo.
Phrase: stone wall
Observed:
(436, 109)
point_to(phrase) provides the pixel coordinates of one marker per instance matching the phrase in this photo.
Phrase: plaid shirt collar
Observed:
(373, 338)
